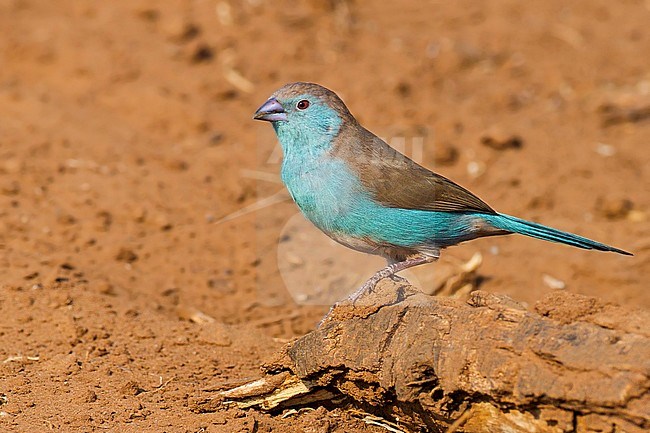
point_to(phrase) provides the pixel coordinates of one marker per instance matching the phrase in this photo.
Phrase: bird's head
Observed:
(305, 113)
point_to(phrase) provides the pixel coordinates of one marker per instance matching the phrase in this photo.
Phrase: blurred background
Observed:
(135, 187)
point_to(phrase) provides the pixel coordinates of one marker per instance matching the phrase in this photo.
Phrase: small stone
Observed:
(625, 108)
(131, 388)
(105, 220)
(606, 150)
(201, 53)
(126, 255)
(106, 288)
(178, 165)
(637, 216)
(553, 282)
(614, 209)
(445, 154)
(10, 188)
(475, 168)
(497, 139)
(150, 15)
(178, 29)
(222, 285)
(215, 139)
(66, 219)
(224, 13)
(139, 215)
(403, 89)
(31, 275)
(89, 396)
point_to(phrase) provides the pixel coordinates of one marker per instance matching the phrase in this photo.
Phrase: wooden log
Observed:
(575, 364)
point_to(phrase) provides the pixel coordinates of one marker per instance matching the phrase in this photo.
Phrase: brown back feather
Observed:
(395, 180)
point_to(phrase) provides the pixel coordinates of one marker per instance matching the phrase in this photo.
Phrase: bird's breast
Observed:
(324, 190)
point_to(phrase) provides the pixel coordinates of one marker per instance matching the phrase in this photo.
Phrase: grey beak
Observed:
(271, 111)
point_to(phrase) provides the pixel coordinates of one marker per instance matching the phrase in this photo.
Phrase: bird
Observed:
(367, 196)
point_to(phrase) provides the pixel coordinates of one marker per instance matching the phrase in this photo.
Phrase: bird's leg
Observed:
(389, 270)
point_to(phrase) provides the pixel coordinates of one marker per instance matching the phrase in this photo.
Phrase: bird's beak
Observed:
(271, 111)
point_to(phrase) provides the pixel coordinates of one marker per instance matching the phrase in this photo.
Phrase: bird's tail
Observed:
(528, 228)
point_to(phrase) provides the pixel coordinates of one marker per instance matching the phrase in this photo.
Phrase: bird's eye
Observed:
(302, 105)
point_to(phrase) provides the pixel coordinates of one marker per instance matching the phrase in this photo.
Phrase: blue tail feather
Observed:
(539, 231)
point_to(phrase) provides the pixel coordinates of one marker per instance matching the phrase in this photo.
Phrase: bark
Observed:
(575, 364)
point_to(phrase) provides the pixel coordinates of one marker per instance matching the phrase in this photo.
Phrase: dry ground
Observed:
(126, 137)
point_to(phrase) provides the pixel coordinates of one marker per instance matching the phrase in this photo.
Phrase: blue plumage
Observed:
(539, 231)
(367, 196)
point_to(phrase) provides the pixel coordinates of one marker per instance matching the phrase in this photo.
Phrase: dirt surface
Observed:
(133, 286)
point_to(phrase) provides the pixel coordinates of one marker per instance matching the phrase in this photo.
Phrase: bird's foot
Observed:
(388, 271)
(369, 286)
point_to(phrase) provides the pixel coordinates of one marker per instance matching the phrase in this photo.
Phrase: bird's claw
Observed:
(366, 288)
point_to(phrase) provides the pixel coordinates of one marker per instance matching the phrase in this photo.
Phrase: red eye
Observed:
(302, 105)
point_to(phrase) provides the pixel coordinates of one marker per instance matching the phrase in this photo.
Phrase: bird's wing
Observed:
(396, 181)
